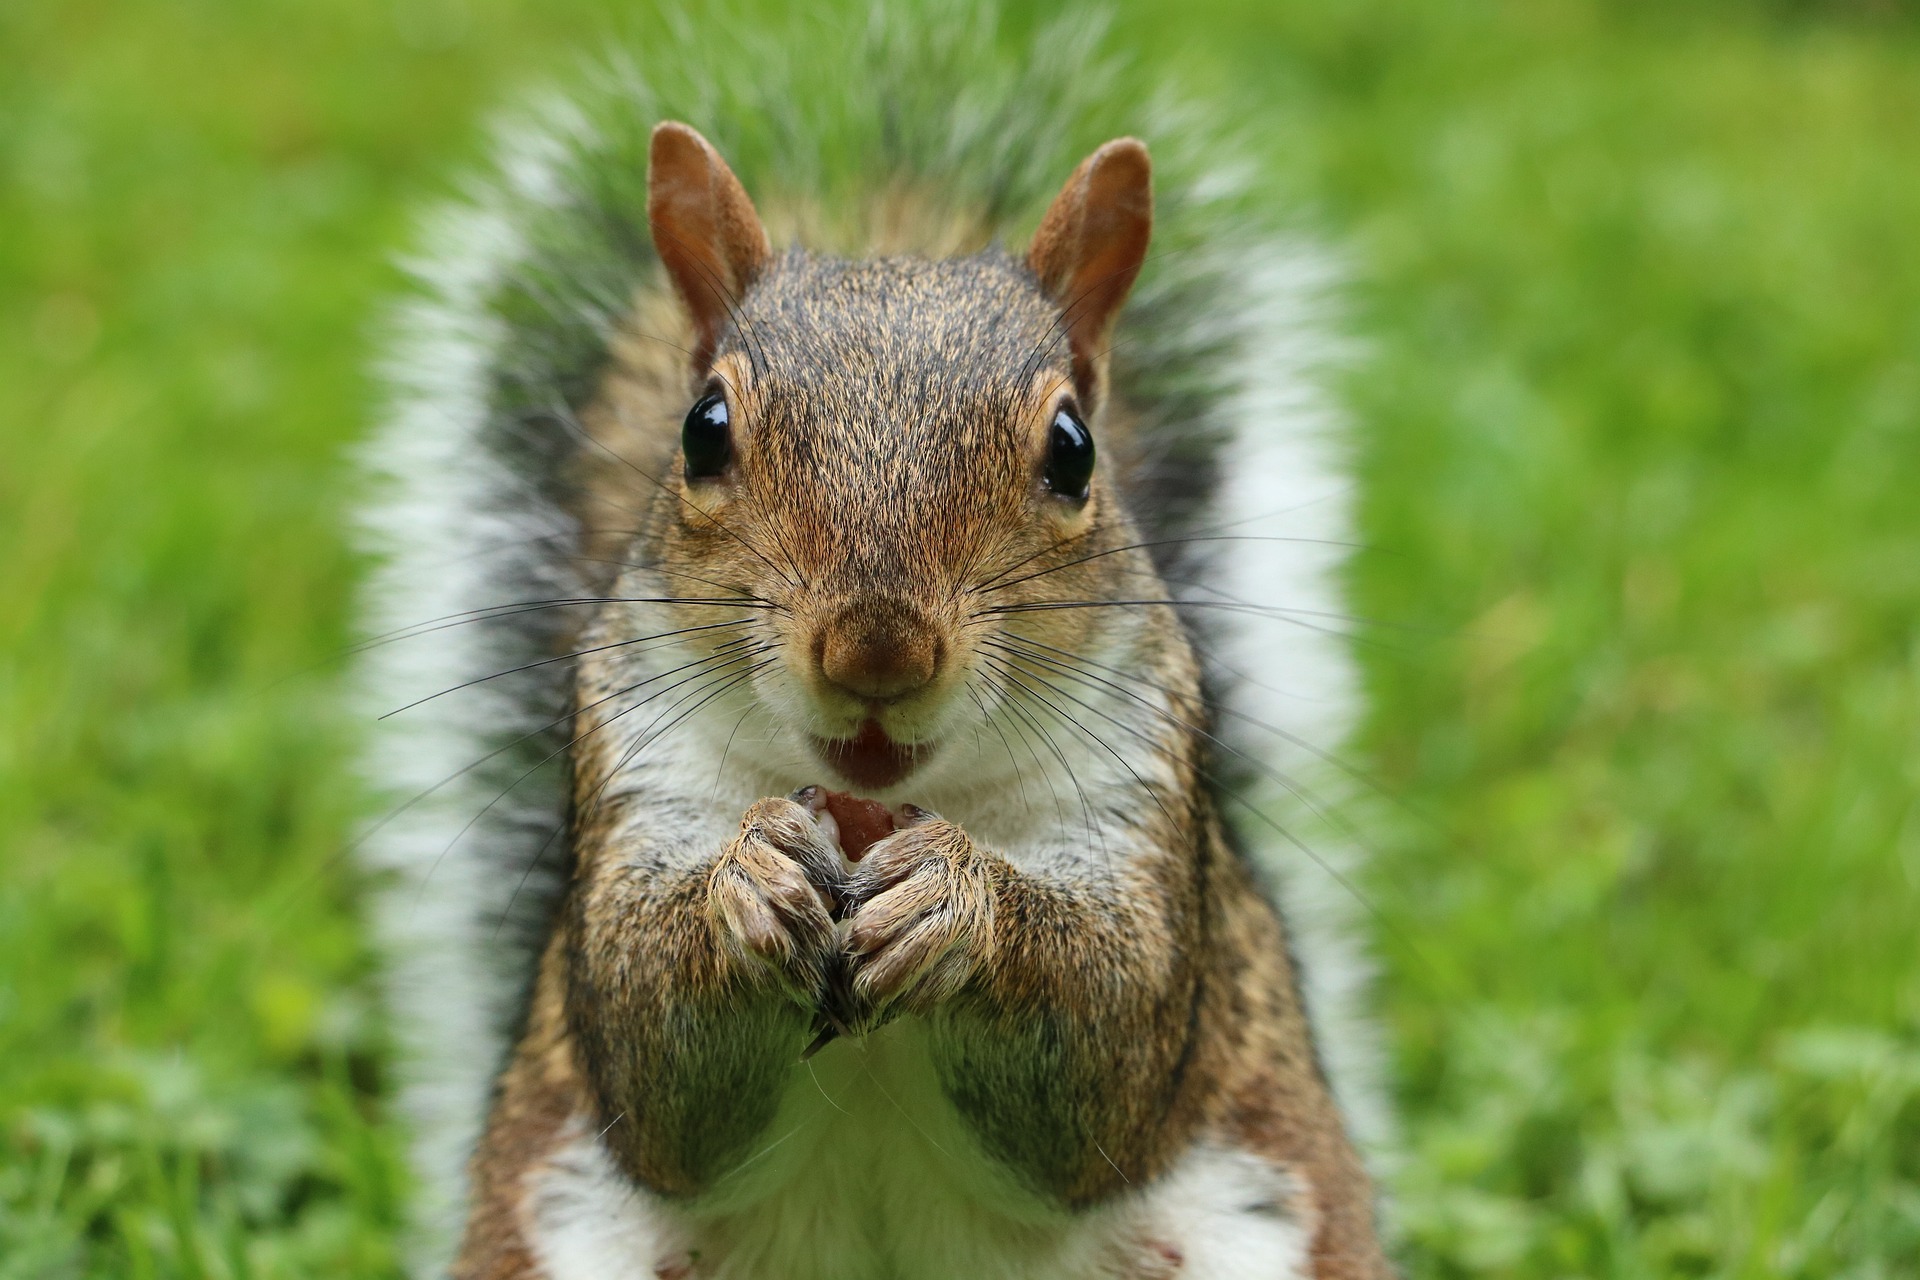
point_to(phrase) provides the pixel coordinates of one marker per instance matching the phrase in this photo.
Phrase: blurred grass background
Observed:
(1638, 422)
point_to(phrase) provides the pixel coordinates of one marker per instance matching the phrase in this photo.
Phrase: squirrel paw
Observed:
(767, 912)
(920, 919)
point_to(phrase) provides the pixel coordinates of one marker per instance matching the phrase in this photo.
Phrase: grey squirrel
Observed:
(708, 525)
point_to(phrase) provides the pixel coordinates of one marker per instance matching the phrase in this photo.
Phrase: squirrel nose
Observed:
(880, 649)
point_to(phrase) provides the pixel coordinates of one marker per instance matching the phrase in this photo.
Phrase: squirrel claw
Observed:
(766, 900)
(920, 920)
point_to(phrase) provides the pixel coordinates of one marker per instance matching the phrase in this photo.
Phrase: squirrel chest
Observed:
(868, 1173)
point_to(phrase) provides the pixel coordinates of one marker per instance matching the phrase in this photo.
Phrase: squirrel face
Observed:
(886, 450)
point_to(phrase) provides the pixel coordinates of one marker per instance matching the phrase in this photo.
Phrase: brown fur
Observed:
(890, 419)
(704, 228)
(1089, 247)
(540, 1089)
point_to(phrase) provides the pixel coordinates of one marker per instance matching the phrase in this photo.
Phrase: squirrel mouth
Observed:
(870, 759)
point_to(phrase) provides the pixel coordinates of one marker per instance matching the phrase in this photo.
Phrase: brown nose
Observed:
(880, 648)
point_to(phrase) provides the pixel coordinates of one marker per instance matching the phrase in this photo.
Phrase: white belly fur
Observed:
(869, 1174)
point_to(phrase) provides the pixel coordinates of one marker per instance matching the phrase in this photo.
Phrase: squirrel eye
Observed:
(1069, 455)
(706, 440)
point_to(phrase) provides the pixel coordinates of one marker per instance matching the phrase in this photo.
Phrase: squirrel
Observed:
(821, 853)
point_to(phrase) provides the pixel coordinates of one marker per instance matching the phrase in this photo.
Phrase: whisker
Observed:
(1342, 878)
(1004, 695)
(486, 613)
(575, 741)
(400, 810)
(1259, 765)
(509, 544)
(716, 686)
(1096, 831)
(564, 657)
(650, 566)
(1277, 612)
(1332, 758)
(994, 584)
(723, 683)
(1148, 787)
(988, 717)
(721, 768)
(1202, 531)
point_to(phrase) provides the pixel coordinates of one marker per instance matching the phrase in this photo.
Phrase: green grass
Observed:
(1638, 425)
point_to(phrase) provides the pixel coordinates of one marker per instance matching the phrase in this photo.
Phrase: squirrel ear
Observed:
(1090, 246)
(704, 229)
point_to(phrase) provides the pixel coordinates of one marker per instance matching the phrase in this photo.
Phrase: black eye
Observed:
(1069, 455)
(707, 438)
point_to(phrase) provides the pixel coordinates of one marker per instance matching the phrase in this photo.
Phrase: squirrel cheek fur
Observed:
(1096, 1010)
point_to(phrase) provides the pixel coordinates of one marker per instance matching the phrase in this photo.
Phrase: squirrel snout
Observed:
(880, 650)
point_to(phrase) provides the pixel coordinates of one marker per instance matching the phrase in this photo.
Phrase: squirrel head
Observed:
(889, 452)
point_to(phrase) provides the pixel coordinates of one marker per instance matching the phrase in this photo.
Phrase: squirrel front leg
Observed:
(690, 992)
(1062, 1006)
